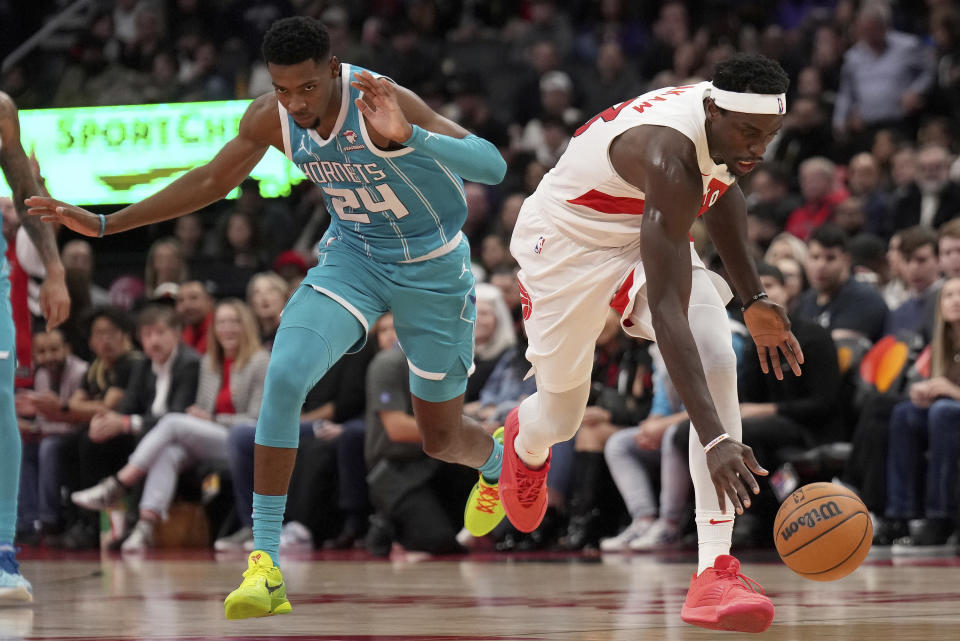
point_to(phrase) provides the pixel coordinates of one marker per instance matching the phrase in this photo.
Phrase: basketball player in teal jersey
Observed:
(55, 304)
(391, 172)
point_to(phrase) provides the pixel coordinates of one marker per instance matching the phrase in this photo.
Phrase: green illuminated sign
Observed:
(118, 155)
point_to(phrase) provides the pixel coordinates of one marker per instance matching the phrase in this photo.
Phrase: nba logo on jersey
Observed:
(351, 137)
(539, 246)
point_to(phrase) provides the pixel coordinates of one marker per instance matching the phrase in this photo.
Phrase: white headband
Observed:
(749, 103)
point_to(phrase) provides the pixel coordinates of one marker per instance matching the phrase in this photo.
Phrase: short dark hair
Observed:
(766, 269)
(294, 40)
(913, 238)
(751, 73)
(868, 250)
(159, 315)
(829, 236)
(114, 315)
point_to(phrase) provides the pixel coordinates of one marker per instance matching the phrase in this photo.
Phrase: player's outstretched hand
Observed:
(380, 107)
(52, 210)
(730, 463)
(770, 329)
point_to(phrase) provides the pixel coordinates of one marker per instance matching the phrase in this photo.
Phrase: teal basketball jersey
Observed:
(393, 206)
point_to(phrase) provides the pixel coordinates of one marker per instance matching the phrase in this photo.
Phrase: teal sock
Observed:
(491, 469)
(267, 521)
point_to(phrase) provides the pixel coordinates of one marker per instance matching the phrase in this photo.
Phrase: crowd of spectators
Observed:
(854, 218)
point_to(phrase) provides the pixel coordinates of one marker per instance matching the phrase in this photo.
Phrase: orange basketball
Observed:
(823, 531)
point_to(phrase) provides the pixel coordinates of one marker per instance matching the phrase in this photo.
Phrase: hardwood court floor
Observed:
(178, 596)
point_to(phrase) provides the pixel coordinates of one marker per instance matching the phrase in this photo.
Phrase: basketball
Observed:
(823, 531)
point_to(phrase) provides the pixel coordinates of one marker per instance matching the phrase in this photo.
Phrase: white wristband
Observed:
(712, 444)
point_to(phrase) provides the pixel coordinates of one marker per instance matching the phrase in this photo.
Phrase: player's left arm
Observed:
(54, 299)
(402, 116)
(769, 326)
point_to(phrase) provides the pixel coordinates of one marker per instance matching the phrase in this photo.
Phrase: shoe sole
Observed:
(18, 594)
(736, 617)
(519, 516)
(246, 608)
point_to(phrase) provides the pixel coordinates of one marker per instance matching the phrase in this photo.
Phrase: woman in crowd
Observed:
(229, 393)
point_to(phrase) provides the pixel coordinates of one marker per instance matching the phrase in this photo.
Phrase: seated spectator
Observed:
(884, 77)
(820, 195)
(228, 393)
(835, 299)
(165, 264)
(77, 256)
(918, 246)
(863, 181)
(924, 443)
(806, 134)
(418, 500)
(948, 245)
(101, 390)
(267, 293)
(240, 243)
(895, 292)
(632, 452)
(794, 278)
(58, 375)
(769, 188)
(868, 259)
(932, 198)
(493, 336)
(786, 245)
(850, 215)
(195, 310)
(291, 267)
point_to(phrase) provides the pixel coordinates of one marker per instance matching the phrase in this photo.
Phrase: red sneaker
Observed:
(723, 599)
(523, 491)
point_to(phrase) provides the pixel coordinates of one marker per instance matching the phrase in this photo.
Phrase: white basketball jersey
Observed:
(586, 198)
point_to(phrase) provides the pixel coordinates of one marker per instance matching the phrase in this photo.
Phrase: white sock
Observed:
(532, 459)
(711, 330)
(714, 531)
(547, 418)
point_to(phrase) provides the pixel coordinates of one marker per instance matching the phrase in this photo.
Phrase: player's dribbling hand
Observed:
(380, 107)
(52, 210)
(770, 329)
(730, 463)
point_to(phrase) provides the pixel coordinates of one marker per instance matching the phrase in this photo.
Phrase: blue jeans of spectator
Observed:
(40, 479)
(924, 446)
(350, 463)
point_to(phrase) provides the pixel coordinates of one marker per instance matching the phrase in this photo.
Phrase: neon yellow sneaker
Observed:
(262, 592)
(484, 510)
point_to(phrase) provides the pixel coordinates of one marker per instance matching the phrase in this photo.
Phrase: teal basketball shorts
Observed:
(433, 305)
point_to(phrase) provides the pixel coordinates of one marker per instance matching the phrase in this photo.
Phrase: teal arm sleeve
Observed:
(472, 158)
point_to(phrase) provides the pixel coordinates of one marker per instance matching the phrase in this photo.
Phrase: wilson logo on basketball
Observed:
(810, 519)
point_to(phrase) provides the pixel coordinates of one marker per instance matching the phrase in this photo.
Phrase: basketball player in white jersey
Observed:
(609, 225)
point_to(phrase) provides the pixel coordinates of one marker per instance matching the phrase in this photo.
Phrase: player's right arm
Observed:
(259, 129)
(662, 162)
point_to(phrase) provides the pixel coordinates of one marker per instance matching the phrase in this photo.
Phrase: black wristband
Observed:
(752, 300)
